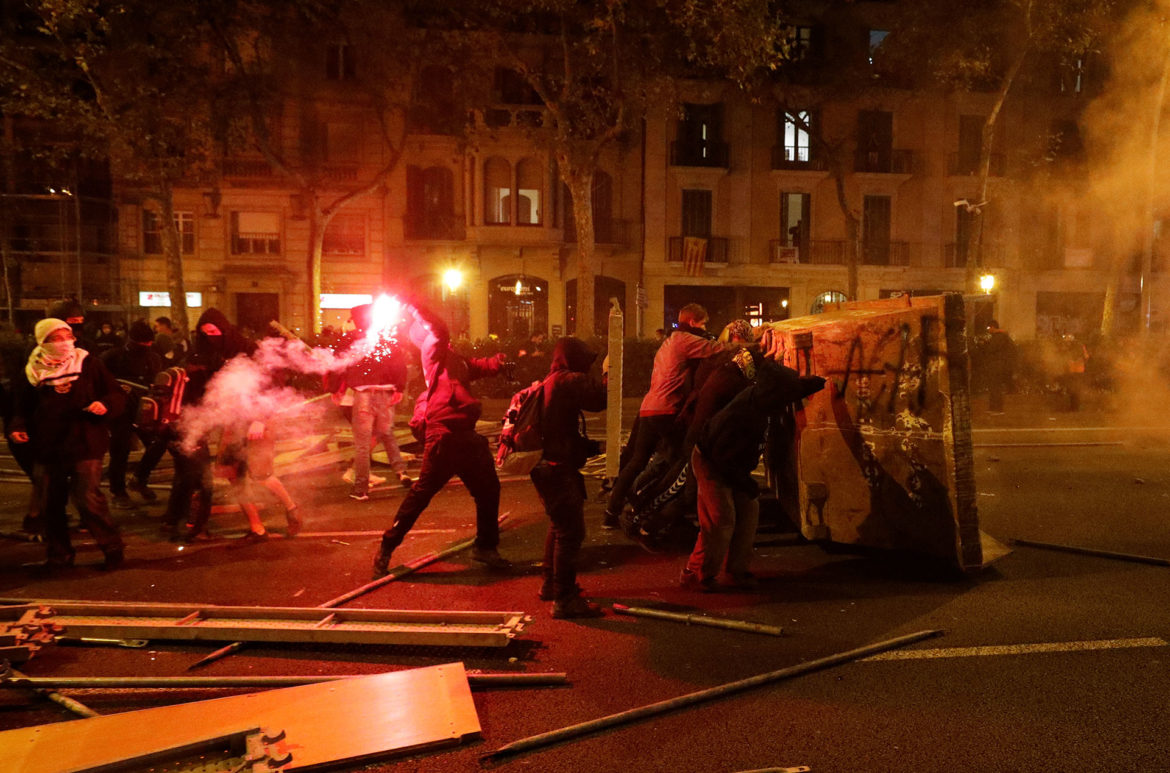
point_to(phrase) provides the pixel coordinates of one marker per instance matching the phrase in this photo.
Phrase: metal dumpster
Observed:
(883, 455)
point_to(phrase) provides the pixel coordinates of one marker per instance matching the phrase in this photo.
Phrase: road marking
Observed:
(1019, 649)
(1069, 429)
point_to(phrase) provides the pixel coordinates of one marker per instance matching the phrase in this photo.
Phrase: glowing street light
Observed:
(987, 283)
(453, 279)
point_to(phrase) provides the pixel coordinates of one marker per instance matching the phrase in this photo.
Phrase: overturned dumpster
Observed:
(882, 457)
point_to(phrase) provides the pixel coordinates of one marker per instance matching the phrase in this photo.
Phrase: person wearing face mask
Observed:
(63, 410)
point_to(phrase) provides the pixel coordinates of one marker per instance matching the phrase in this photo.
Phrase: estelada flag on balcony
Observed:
(694, 255)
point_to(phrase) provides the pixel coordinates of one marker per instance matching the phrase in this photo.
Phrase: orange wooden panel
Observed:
(350, 719)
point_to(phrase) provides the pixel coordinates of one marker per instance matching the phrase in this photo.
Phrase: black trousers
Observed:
(121, 439)
(81, 482)
(651, 430)
(190, 501)
(562, 492)
(465, 454)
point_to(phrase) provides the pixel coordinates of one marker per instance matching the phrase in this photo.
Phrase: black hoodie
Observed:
(568, 390)
(210, 353)
(733, 439)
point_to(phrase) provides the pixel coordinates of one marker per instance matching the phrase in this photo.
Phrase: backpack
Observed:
(161, 407)
(522, 435)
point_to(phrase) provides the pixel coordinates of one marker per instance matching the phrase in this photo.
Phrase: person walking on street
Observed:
(134, 364)
(657, 420)
(444, 420)
(1000, 358)
(567, 391)
(378, 381)
(63, 410)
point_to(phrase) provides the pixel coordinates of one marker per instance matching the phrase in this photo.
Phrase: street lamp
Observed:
(987, 283)
(453, 279)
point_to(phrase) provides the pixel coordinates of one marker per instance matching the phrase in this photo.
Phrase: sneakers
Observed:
(350, 475)
(691, 581)
(294, 523)
(381, 564)
(405, 480)
(745, 581)
(359, 497)
(576, 607)
(141, 489)
(121, 502)
(611, 521)
(254, 537)
(490, 558)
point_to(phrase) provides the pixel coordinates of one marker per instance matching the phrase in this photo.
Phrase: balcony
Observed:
(339, 173)
(886, 254)
(717, 249)
(623, 233)
(709, 154)
(884, 162)
(955, 255)
(435, 227)
(966, 164)
(248, 169)
(797, 159)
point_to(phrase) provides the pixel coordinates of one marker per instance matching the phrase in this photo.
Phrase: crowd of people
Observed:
(697, 438)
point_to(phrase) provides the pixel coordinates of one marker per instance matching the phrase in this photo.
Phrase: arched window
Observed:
(430, 203)
(497, 188)
(530, 187)
(829, 296)
(517, 306)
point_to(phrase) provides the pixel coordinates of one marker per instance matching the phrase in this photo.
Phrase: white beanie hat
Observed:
(46, 326)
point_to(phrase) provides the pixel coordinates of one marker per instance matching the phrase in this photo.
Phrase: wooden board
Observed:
(193, 622)
(325, 723)
(883, 454)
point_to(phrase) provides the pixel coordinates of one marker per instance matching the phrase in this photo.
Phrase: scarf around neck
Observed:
(42, 369)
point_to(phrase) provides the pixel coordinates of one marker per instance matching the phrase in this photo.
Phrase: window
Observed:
(794, 135)
(794, 223)
(875, 141)
(801, 43)
(339, 62)
(528, 187)
(876, 38)
(152, 238)
(433, 110)
(430, 203)
(829, 296)
(255, 233)
(696, 213)
(1072, 75)
(875, 226)
(965, 223)
(700, 137)
(345, 235)
(497, 189)
(970, 143)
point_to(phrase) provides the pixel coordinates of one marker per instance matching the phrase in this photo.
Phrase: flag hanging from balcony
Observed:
(694, 255)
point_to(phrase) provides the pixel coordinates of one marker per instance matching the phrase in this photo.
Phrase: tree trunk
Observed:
(580, 182)
(318, 222)
(5, 217)
(852, 231)
(987, 143)
(173, 247)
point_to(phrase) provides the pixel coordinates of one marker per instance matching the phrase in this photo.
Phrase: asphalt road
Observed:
(1049, 661)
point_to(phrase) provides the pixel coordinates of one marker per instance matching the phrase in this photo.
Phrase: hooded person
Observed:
(63, 410)
(74, 315)
(216, 342)
(444, 419)
(568, 390)
(134, 364)
(727, 451)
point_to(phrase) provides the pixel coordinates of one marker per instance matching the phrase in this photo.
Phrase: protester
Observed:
(248, 455)
(216, 342)
(567, 391)
(658, 414)
(63, 411)
(999, 363)
(378, 381)
(1076, 357)
(134, 364)
(106, 339)
(444, 419)
(171, 346)
(71, 312)
(727, 452)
